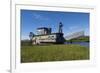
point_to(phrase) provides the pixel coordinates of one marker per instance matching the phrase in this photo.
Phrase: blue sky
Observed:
(72, 21)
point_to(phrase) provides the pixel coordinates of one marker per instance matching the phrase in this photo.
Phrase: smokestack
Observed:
(49, 30)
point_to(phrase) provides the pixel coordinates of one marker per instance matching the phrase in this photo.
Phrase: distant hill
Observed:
(80, 39)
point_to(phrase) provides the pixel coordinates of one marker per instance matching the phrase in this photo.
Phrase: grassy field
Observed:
(44, 53)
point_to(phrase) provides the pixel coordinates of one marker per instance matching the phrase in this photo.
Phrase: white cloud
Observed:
(76, 28)
(73, 27)
(39, 17)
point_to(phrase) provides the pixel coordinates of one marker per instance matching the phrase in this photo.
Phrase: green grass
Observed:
(44, 53)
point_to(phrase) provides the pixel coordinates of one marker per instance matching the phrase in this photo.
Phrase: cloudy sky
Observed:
(72, 21)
